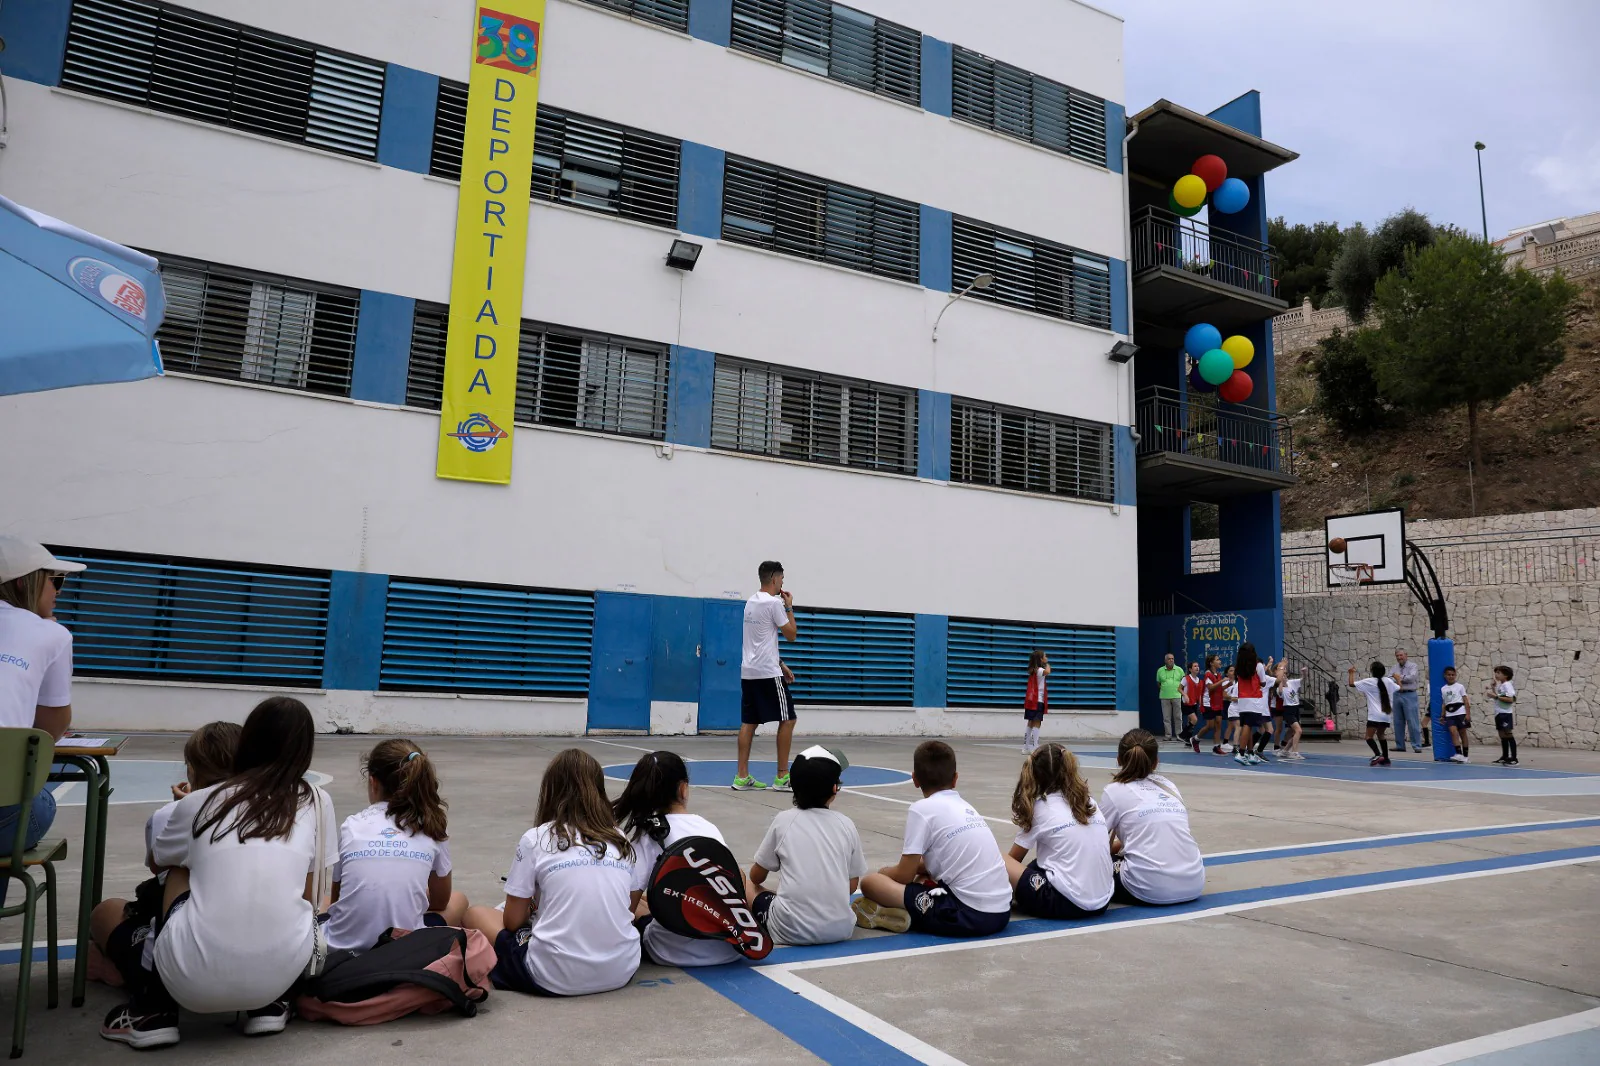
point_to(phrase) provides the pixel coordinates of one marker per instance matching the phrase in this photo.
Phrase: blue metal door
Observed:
(619, 673)
(721, 644)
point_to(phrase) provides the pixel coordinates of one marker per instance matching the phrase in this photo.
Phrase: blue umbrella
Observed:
(75, 309)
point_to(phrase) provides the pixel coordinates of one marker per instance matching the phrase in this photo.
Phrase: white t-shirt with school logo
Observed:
(583, 936)
(666, 946)
(1291, 692)
(1368, 687)
(1161, 861)
(1075, 858)
(959, 850)
(382, 874)
(1504, 693)
(1454, 699)
(35, 666)
(815, 853)
(764, 615)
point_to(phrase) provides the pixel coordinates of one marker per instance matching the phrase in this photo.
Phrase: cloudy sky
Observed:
(1383, 98)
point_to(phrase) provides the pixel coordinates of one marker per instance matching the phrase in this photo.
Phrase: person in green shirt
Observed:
(1169, 678)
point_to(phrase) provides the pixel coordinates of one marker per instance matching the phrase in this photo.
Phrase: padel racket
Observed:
(696, 890)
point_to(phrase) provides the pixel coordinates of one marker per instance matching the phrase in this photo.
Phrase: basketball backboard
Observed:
(1374, 548)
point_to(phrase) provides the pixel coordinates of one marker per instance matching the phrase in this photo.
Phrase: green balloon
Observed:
(1187, 212)
(1216, 366)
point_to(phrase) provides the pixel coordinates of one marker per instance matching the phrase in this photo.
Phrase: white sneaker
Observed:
(1466, 758)
(1227, 749)
(1458, 757)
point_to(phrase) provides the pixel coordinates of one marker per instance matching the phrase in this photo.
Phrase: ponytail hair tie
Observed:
(412, 755)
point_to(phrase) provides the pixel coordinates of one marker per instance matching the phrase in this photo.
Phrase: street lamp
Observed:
(981, 282)
(1479, 146)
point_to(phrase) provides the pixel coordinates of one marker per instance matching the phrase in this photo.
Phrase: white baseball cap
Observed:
(19, 558)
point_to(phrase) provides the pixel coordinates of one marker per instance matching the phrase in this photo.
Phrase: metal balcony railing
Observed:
(1201, 426)
(1161, 238)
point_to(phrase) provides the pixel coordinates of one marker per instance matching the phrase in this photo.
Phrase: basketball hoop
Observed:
(1351, 574)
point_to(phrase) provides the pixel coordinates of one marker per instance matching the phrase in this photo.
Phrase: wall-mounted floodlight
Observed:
(1122, 351)
(683, 255)
(981, 282)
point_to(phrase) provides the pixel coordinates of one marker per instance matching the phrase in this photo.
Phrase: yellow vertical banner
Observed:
(480, 362)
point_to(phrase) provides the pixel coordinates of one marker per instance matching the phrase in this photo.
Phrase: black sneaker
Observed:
(140, 1030)
(269, 1019)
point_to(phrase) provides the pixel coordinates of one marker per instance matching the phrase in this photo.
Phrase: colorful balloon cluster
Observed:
(1208, 176)
(1219, 363)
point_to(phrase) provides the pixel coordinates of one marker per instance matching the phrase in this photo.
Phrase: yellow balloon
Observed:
(1190, 191)
(1241, 349)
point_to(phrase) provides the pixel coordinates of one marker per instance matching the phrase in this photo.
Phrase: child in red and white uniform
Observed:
(1193, 687)
(1036, 703)
(1216, 704)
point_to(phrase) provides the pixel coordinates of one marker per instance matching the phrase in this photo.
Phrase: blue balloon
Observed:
(1198, 383)
(1201, 338)
(1231, 197)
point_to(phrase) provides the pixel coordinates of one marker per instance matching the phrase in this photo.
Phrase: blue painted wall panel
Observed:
(937, 238)
(675, 649)
(938, 75)
(354, 648)
(721, 644)
(1116, 129)
(933, 435)
(711, 20)
(1128, 670)
(405, 133)
(689, 384)
(383, 347)
(700, 190)
(933, 660)
(1119, 297)
(1126, 470)
(1242, 113)
(35, 33)
(620, 665)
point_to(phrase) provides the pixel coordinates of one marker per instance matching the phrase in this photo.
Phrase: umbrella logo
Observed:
(105, 281)
(478, 434)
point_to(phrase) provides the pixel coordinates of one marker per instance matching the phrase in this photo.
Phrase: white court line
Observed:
(1511, 1038)
(895, 1037)
(1169, 919)
(1395, 836)
(906, 803)
(635, 747)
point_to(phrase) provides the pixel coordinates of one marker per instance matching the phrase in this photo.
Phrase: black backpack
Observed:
(360, 976)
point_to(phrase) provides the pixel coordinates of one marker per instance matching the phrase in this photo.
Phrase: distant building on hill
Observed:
(1571, 245)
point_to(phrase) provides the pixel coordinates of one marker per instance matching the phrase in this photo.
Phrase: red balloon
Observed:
(1211, 170)
(1238, 388)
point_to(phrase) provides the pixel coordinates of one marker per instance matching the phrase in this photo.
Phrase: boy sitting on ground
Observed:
(951, 879)
(818, 852)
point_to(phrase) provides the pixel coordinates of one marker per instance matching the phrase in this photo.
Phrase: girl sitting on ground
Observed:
(1159, 861)
(394, 859)
(1070, 876)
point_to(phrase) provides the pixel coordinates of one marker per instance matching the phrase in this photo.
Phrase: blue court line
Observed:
(1397, 841)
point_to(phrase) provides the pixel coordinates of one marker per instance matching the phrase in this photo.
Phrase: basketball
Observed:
(1336, 545)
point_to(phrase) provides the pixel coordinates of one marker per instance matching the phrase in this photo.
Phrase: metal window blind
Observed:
(988, 664)
(577, 160)
(1030, 451)
(564, 377)
(465, 638)
(853, 658)
(834, 41)
(670, 13)
(814, 418)
(179, 619)
(1034, 274)
(185, 63)
(243, 326)
(1032, 108)
(811, 218)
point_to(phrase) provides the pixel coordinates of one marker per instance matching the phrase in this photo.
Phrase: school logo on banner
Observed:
(491, 246)
(1205, 635)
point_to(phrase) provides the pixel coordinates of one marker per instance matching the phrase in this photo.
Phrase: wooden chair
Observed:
(25, 756)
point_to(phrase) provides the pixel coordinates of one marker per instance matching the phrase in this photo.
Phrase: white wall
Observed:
(192, 467)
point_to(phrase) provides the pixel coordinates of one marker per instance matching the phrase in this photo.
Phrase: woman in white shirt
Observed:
(239, 928)
(1159, 861)
(35, 665)
(567, 927)
(394, 857)
(1070, 875)
(1379, 689)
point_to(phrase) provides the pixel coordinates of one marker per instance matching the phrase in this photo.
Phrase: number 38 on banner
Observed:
(509, 42)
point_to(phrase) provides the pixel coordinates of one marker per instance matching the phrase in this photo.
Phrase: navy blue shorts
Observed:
(762, 906)
(1211, 714)
(935, 909)
(763, 700)
(1459, 721)
(1505, 720)
(1035, 895)
(1035, 714)
(432, 920)
(1252, 720)
(511, 972)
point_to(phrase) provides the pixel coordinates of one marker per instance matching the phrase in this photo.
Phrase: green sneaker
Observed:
(781, 783)
(748, 784)
(870, 915)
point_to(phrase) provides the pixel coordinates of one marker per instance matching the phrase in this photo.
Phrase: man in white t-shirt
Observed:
(764, 693)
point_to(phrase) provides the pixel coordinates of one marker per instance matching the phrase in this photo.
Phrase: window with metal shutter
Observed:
(482, 638)
(800, 215)
(1030, 451)
(1012, 101)
(841, 657)
(577, 160)
(209, 69)
(152, 616)
(1033, 274)
(833, 41)
(813, 418)
(236, 324)
(673, 14)
(988, 664)
(564, 377)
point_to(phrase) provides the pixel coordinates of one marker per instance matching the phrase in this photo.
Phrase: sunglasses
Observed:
(58, 579)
